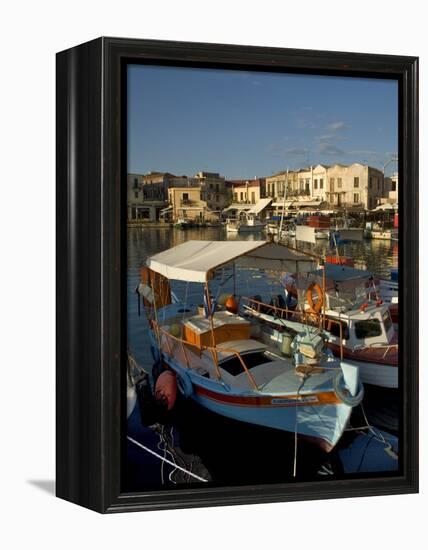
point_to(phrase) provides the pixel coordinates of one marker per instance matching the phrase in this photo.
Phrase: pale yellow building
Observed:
(248, 191)
(186, 203)
(282, 182)
(355, 185)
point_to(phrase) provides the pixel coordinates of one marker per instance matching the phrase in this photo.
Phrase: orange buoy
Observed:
(231, 304)
(166, 389)
(314, 307)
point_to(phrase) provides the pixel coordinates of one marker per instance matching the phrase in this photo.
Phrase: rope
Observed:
(305, 377)
(165, 459)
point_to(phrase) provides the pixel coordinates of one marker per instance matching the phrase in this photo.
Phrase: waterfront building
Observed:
(283, 182)
(391, 189)
(214, 190)
(248, 191)
(148, 193)
(356, 186)
(187, 203)
(144, 202)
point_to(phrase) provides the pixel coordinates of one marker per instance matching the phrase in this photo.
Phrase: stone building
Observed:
(354, 186)
(148, 193)
(214, 190)
(187, 203)
(144, 202)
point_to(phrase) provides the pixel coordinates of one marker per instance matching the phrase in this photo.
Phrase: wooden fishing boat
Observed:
(236, 366)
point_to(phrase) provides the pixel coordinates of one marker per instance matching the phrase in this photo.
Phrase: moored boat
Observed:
(358, 324)
(239, 367)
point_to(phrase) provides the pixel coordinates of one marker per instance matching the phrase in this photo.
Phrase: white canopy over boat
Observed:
(194, 261)
(385, 207)
(260, 206)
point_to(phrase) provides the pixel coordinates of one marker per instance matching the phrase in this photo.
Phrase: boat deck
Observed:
(273, 373)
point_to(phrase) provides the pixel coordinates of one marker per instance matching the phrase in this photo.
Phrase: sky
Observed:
(253, 124)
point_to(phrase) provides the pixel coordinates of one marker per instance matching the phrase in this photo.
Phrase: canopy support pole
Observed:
(211, 314)
(323, 294)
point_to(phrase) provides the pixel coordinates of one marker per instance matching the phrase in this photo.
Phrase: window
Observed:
(339, 182)
(331, 184)
(394, 186)
(217, 187)
(211, 186)
(307, 185)
(253, 197)
(315, 184)
(321, 183)
(235, 197)
(370, 182)
(242, 196)
(185, 196)
(334, 329)
(356, 198)
(217, 198)
(136, 194)
(368, 328)
(387, 321)
(135, 183)
(209, 196)
(356, 182)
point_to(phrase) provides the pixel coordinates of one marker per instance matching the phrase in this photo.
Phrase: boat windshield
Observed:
(368, 328)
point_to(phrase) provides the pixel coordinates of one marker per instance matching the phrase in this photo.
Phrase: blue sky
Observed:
(248, 124)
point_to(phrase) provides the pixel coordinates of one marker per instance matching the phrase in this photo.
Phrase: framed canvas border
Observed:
(91, 267)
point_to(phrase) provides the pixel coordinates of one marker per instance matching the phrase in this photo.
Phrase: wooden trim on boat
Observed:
(296, 400)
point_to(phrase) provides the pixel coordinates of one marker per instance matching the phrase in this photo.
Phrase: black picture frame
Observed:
(91, 194)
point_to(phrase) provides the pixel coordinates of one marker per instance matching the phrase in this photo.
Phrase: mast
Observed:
(283, 206)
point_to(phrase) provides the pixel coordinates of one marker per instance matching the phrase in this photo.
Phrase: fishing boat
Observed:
(183, 223)
(358, 324)
(236, 366)
(248, 224)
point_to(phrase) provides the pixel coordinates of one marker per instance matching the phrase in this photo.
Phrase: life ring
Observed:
(184, 384)
(315, 307)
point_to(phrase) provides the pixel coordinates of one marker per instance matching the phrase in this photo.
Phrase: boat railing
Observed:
(199, 348)
(305, 317)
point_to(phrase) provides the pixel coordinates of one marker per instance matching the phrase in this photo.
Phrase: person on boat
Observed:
(290, 290)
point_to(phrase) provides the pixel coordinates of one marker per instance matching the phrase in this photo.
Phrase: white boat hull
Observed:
(325, 423)
(377, 374)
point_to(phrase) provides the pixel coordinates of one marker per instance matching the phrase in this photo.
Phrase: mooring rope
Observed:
(165, 459)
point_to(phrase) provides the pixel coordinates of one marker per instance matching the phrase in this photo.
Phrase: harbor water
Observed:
(219, 449)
